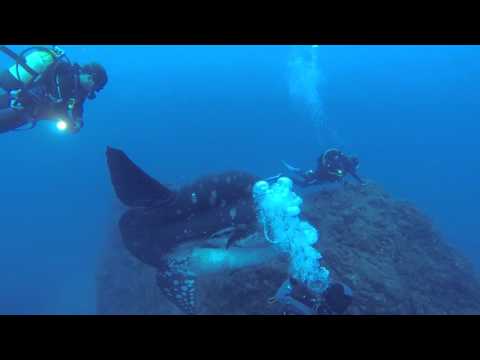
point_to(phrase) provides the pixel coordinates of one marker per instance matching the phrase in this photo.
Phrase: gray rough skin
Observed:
(385, 250)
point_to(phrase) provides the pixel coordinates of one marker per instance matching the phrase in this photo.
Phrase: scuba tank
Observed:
(33, 62)
(38, 61)
(30, 67)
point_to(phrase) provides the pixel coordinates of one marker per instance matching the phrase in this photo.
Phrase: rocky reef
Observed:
(386, 250)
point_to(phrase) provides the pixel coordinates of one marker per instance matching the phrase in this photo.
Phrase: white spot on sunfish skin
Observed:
(233, 213)
(194, 198)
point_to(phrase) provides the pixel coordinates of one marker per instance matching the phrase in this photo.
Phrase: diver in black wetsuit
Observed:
(332, 166)
(298, 299)
(44, 85)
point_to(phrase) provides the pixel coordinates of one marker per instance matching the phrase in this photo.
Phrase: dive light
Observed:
(61, 125)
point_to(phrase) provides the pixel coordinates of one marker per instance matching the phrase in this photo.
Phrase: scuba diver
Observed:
(44, 85)
(332, 166)
(298, 299)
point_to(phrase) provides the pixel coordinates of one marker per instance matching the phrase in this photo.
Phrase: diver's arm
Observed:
(356, 177)
(283, 296)
(75, 115)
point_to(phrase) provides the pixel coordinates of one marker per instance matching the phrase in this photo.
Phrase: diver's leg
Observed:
(300, 182)
(296, 307)
(11, 119)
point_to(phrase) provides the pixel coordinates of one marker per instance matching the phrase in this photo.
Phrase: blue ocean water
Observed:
(409, 112)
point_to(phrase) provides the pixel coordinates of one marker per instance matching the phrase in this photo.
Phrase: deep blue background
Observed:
(410, 112)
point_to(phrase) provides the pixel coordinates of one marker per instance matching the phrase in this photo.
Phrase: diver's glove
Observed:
(70, 107)
(75, 122)
(76, 125)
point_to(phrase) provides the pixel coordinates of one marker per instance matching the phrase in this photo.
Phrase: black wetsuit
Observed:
(47, 99)
(332, 166)
(297, 299)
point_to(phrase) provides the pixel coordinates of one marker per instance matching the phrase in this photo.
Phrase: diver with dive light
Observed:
(332, 166)
(43, 84)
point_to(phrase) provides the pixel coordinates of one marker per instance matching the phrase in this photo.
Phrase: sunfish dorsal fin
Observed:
(132, 185)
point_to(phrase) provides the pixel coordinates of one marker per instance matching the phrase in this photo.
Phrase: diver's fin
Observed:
(290, 167)
(287, 165)
(178, 285)
(271, 179)
(132, 185)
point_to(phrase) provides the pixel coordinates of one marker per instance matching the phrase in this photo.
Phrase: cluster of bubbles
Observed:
(278, 210)
(306, 84)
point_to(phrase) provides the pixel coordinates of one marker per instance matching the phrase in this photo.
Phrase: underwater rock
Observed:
(386, 250)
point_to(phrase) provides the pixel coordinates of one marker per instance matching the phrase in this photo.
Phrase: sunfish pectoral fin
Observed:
(178, 285)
